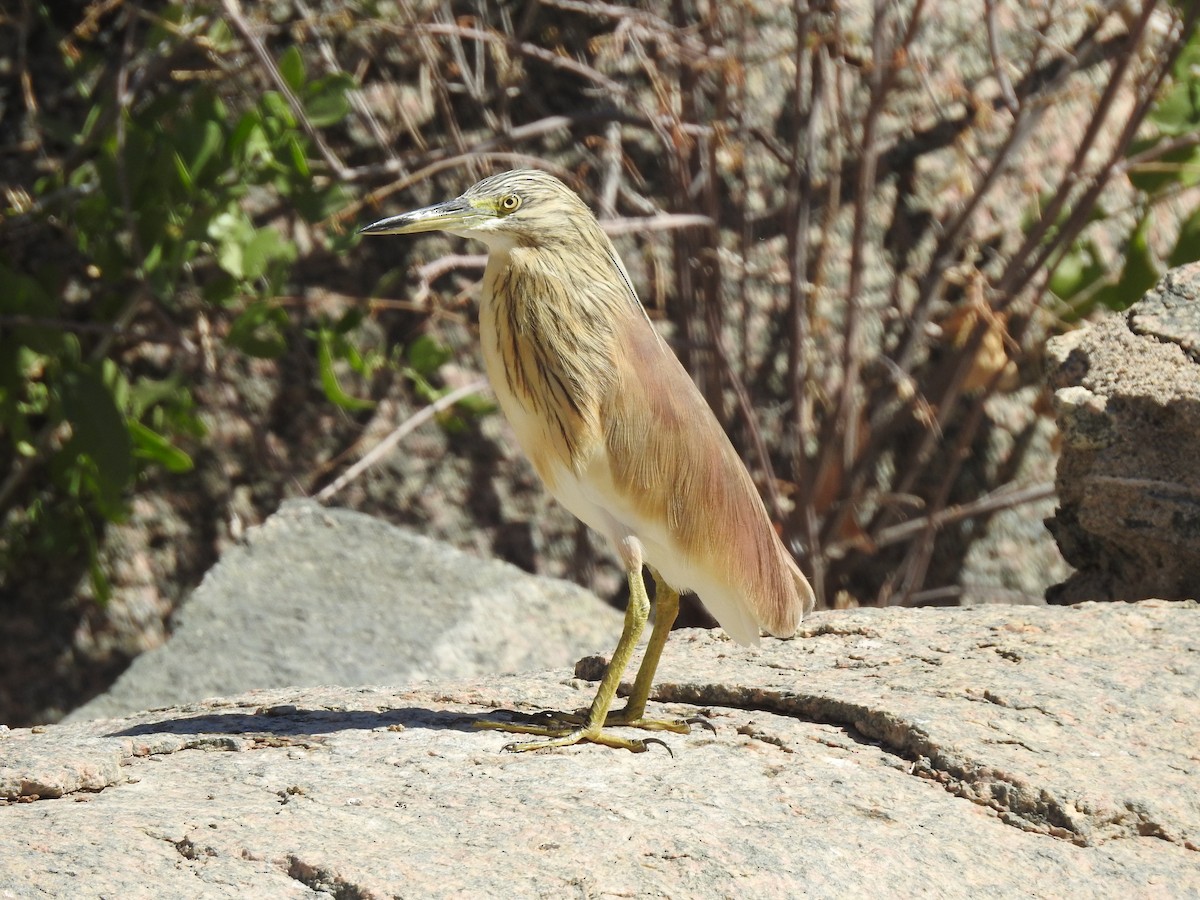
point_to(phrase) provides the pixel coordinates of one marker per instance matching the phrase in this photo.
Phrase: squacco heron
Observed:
(618, 433)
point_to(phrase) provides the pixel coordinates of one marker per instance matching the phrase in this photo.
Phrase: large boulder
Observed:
(885, 752)
(330, 596)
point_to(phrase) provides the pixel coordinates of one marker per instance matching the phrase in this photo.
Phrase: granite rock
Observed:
(1127, 398)
(995, 751)
(331, 596)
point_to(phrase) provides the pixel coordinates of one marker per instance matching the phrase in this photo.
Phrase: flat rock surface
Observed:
(1016, 751)
(344, 598)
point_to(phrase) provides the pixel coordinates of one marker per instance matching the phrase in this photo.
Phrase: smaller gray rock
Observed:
(1127, 398)
(329, 596)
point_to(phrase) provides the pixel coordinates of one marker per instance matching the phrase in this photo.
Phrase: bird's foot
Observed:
(624, 718)
(561, 730)
(564, 729)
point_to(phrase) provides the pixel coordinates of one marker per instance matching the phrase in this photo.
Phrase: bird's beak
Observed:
(456, 216)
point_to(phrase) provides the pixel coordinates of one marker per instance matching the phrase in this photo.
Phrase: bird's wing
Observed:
(678, 475)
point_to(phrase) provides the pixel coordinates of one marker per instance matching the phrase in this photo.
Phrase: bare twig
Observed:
(361, 107)
(612, 157)
(659, 222)
(409, 425)
(1007, 94)
(374, 198)
(435, 269)
(652, 24)
(1051, 254)
(844, 453)
(1027, 259)
(1155, 152)
(530, 50)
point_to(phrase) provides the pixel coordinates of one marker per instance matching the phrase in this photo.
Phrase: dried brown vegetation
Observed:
(845, 216)
(883, 196)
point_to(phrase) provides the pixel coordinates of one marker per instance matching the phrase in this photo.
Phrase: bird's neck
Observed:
(549, 345)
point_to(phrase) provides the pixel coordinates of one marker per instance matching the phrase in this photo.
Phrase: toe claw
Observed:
(702, 722)
(646, 742)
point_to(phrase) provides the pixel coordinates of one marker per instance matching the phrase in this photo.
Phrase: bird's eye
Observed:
(510, 202)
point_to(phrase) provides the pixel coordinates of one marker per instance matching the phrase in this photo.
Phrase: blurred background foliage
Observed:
(856, 223)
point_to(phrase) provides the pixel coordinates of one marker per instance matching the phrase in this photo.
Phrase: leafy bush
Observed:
(176, 196)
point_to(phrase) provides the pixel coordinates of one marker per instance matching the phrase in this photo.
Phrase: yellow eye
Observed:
(510, 202)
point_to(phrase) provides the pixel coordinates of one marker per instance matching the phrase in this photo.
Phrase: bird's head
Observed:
(523, 207)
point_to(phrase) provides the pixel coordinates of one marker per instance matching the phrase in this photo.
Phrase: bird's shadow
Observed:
(291, 721)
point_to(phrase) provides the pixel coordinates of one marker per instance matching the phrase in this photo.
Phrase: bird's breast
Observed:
(547, 368)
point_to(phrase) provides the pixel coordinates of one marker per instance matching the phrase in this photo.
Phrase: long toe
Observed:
(600, 736)
(678, 726)
(557, 734)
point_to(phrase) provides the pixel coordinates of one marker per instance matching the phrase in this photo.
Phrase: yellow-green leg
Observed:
(592, 729)
(666, 608)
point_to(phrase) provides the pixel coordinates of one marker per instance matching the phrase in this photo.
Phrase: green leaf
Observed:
(326, 100)
(232, 231)
(329, 380)
(350, 319)
(210, 142)
(426, 355)
(291, 67)
(1189, 56)
(1187, 248)
(84, 137)
(1179, 110)
(260, 331)
(149, 444)
(476, 405)
(153, 258)
(1177, 167)
(1139, 274)
(263, 248)
(22, 294)
(221, 289)
(98, 431)
(147, 393)
(1079, 268)
(299, 157)
(116, 382)
(249, 146)
(25, 294)
(277, 115)
(221, 37)
(1141, 269)
(316, 205)
(185, 176)
(421, 385)
(100, 584)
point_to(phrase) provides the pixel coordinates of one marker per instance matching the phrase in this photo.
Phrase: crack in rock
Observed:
(322, 880)
(1019, 803)
(108, 767)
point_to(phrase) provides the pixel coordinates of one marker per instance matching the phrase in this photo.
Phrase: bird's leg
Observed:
(592, 729)
(666, 608)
